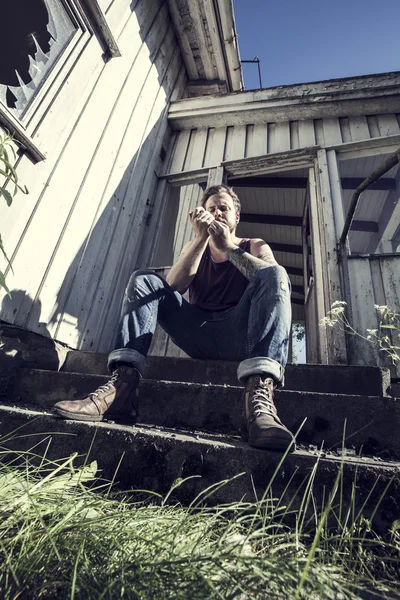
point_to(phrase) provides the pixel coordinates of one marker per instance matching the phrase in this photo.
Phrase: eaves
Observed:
(365, 95)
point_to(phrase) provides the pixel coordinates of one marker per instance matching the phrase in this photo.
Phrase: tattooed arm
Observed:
(249, 263)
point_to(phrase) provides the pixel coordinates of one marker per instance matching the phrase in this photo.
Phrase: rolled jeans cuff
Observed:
(260, 365)
(127, 355)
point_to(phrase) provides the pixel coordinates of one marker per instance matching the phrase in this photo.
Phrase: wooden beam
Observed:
(294, 271)
(291, 248)
(270, 219)
(298, 289)
(270, 182)
(364, 226)
(300, 183)
(369, 226)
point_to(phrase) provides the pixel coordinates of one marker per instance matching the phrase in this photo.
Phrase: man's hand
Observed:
(200, 220)
(221, 236)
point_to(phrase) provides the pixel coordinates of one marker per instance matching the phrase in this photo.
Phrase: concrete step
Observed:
(153, 459)
(364, 421)
(334, 379)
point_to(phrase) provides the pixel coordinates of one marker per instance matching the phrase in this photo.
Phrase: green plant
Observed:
(9, 173)
(60, 538)
(388, 323)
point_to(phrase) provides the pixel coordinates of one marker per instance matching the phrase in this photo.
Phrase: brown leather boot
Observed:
(262, 426)
(114, 400)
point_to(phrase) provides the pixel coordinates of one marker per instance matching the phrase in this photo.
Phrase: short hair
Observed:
(219, 189)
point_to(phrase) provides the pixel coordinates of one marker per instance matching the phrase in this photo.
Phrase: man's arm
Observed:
(184, 270)
(182, 273)
(249, 264)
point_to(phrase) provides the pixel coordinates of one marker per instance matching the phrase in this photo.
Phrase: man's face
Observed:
(222, 209)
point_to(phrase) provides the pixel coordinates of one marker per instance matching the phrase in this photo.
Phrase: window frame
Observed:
(90, 21)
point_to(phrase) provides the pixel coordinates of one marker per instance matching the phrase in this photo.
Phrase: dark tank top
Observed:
(217, 286)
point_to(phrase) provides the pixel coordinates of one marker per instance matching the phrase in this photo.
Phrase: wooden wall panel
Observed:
(208, 147)
(374, 281)
(215, 147)
(78, 236)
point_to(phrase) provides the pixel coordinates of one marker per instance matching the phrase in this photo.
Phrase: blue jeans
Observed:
(254, 332)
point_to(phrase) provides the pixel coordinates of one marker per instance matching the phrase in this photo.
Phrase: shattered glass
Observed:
(34, 34)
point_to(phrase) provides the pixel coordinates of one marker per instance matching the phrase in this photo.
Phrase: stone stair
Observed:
(188, 428)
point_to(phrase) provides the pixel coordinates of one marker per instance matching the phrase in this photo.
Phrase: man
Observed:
(239, 309)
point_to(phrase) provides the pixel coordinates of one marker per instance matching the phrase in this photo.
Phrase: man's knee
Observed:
(270, 273)
(146, 278)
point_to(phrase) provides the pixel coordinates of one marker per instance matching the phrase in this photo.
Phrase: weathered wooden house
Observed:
(126, 109)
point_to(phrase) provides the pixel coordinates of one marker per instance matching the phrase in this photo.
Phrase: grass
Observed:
(64, 533)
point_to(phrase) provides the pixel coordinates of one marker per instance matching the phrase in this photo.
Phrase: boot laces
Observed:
(106, 387)
(262, 401)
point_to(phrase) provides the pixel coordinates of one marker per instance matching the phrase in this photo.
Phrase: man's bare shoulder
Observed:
(257, 244)
(261, 249)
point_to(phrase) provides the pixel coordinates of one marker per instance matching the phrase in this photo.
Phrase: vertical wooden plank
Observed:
(237, 149)
(260, 140)
(209, 145)
(271, 145)
(180, 152)
(161, 253)
(194, 201)
(390, 273)
(312, 354)
(332, 132)
(216, 155)
(294, 135)
(345, 129)
(306, 134)
(190, 147)
(282, 136)
(249, 140)
(228, 153)
(336, 191)
(359, 129)
(373, 126)
(363, 311)
(316, 252)
(390, 269)
(319, 132)
(184, 202)
(388, 125)
(198, 150)
(332, 286)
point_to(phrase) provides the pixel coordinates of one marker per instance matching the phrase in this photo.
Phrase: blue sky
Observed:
(311, 40)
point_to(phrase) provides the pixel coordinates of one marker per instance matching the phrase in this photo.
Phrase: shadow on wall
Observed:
(17, 298)
(22, 348)
(111, 224)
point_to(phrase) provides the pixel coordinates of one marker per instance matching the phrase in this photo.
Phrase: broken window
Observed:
(34, 35)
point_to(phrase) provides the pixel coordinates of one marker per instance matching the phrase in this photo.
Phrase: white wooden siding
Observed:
(176, 230)
(374, 281)
(216, 144)
(75, 239)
